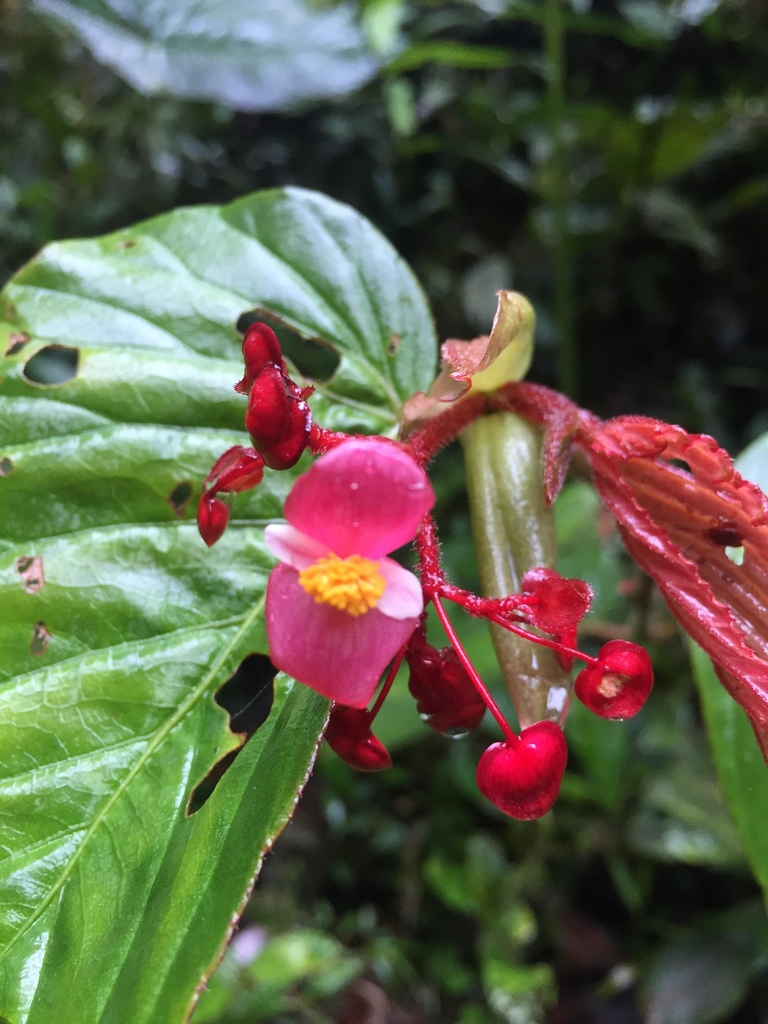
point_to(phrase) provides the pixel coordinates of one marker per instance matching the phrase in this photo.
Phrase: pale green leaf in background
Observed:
(265, 56)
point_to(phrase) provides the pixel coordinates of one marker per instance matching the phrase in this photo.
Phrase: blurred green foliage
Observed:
(663, 134)
(607, 158)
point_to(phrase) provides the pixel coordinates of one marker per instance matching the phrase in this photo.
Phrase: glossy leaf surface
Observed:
(264, 56)
(117, 625)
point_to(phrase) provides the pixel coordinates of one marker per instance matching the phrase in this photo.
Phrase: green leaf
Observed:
(268, 56)
(703, 976)
(117, 625)
(740, 765)
(298, 967)
(681, 817)
(455, 54)
(670, 217)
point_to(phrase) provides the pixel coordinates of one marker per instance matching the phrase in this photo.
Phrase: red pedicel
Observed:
(446, 697)
(619, 684)
(212, 518)
(349, 734)
(522, 778)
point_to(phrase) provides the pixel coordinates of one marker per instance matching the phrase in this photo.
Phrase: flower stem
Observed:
(387, 686)
(555, 645)
(509, 733)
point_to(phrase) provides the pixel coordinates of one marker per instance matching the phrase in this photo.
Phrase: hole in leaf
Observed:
(6, 466)
(247, 698)
(725, 534)
(312, 357)
(16, 343)
(54, 364)
(40, 638)
(30, 568)
(735, 553)
(179, 497)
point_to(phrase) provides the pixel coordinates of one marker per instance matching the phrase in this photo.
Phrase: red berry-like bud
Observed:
(523, 778)
(619, 684)
(238, 469)
(212, 518)
(260, 348)
(554, 604)
(349, 734)
(445, 696)
(278, 419)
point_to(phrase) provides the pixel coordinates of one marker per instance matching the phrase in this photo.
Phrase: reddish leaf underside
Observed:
(678, 524)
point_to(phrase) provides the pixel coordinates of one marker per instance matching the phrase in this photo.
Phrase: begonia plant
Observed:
(143, 375)
(337, 614)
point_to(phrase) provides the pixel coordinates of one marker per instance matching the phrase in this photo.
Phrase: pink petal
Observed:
(339, 655)
(366, 497)
(292, 546)
(402, 597)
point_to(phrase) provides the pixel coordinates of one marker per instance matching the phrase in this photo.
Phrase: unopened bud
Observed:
(212, 518)
(445, 696)
(349, 735)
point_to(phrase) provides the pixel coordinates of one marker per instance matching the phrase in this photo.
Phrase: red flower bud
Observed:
(278, 419)
(349, 735)
(260, 348)
(523, 778)
(212, 518)
(619, 684)
(445, 696)
(238, 469)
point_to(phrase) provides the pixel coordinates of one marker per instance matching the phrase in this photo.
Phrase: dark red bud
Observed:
(556, 605)
(523, 778)
(268, 418)
(619, 684)
(238, 469)
(260, 348)
(278, 419)
(349, 735)
(445, 696)
(212, 518)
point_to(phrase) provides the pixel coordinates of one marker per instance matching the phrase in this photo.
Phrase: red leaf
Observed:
(676, 521)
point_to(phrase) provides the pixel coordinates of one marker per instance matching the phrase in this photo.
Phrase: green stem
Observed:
(513, 531)
(554, 45)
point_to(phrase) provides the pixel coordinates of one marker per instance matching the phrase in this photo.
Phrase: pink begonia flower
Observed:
(337, 609)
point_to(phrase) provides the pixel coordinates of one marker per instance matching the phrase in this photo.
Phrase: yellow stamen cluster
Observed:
(354, 584)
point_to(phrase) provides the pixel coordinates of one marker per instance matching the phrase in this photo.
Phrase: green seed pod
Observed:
(513, 531)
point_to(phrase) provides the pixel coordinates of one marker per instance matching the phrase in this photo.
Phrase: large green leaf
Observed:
(117, 624)
(740, 765)
(263, 56)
